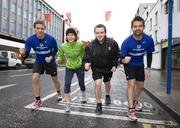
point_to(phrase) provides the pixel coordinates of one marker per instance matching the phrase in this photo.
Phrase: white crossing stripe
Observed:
(6, 86)
(142, 120)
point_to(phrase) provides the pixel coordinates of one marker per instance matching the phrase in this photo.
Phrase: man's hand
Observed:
(126, 60)
(113, 69)
(148, 73)
(87, 66)
(48, 59)
(57, 61)
(22, 51)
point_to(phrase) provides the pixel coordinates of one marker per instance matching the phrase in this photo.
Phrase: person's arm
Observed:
(25, 51)
(123, 53)
(60, 54)
(115, 56)
(149, 60)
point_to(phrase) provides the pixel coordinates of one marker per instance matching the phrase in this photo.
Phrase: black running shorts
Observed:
(98, 75)
(50, 69)
(134, 72)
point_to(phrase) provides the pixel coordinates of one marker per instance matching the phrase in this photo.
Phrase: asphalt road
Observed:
(16, 98)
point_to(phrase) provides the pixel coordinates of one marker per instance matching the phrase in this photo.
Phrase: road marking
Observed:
(6, 86)
(53, 94)
(27, 74)
(104, 116)
(104, 108)
(107, 107)
(160, 126)
(146, 125)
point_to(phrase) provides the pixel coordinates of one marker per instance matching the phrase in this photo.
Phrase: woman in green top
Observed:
(73, 51)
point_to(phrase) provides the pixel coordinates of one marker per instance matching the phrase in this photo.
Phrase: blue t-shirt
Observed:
(137, 48)
(42, 47)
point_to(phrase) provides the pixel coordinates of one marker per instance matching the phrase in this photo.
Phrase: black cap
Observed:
(71, 30)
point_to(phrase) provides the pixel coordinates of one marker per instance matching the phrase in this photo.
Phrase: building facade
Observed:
(156, 22)
(17, 18)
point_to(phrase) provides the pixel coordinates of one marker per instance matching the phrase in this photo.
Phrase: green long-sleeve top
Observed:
(73, 53)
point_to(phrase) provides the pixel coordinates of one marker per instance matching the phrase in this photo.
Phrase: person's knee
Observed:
(35, 78)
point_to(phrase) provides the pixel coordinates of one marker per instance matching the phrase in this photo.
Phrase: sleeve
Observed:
(87, 55)
(28, 49)
(124, 50)
(150, 47)
(82, 51)
(115, 55)
(60, 53)
(54, 48)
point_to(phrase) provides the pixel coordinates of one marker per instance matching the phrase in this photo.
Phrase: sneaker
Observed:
(67, 107)
(98, 110)
(138, 106)
(36, 105)
(107, 100)
(132, 115)
(84, 99)
(59, 97)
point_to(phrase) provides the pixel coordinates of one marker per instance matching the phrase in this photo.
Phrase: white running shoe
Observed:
(84, 99)
(59, 97)
(67, 107)
(132, 115)
(138, 106)
(36, 104)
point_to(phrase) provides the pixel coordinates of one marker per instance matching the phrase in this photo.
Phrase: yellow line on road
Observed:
(160, 126)
(146, 125)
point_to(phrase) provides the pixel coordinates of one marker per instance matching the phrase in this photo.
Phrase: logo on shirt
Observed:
(109, 48)
(138, 46)
(41, 45)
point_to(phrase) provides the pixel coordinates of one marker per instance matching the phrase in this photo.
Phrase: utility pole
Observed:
(170, 5)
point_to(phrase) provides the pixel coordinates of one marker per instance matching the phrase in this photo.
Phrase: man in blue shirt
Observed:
(45, 48)
(132, 52)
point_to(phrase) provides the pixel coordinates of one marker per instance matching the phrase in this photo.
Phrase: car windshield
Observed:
(3, 54)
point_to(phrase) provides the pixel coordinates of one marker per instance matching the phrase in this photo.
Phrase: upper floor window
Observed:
(156, 18)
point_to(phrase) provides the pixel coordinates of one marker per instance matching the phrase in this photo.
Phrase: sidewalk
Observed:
(156, 88)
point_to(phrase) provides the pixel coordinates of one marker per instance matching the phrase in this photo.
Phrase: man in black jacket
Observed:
(102, 56)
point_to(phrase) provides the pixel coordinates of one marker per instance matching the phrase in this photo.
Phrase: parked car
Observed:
(8, 59)
(29, 62)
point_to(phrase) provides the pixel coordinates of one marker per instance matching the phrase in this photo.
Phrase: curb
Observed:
(164, 106)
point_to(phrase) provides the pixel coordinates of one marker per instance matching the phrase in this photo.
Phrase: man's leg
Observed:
(108, 88)
(131, 92)
(97, 91)
(36, 90)
(36, 84)
(107, 78)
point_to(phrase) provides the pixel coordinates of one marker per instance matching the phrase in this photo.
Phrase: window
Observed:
(13, 7)
(13, 56)
(155, 36)
(19, 11)
(5, 3)
(150, 28)
(156, 18)
(12, 27)
(25, 14)
(19, 30)
(5, 25)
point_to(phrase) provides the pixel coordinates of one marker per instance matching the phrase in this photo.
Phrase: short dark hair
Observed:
(100, 26)
(39, 22)
(137, 18)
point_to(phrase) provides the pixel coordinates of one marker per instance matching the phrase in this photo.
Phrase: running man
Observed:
(73, 51)
(133, 50)
(45, 48)
(102, 56)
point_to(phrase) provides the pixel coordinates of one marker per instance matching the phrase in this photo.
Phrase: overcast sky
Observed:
(88, 13)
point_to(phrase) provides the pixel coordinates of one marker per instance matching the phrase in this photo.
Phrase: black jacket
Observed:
(102, 56)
